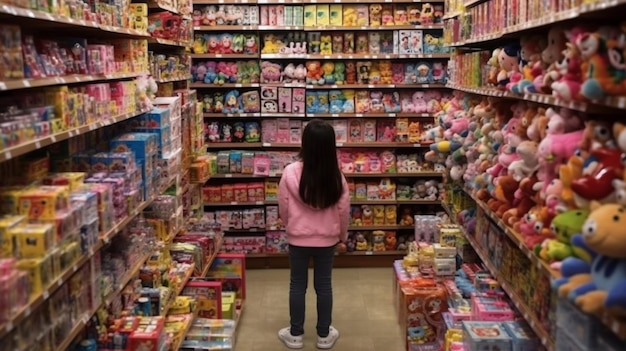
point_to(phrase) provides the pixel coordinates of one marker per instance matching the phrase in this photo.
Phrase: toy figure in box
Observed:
(238, 43)
(199, 44)
(375, 14)
(374, 43)
(390, 215)
(376, 104)
(232, 103)
(351, 72)
(424, 73)
(387, 15)
(226, 135)
(427, 16)
(213, 132)
(252, 132)
(250, 101)
(322, 97)
(362, 43)
(367, 215)
(348, 102)
(363, 72)
(219, 102)
(326, 46)
(391, 102)
(251, 45)
(238, 132)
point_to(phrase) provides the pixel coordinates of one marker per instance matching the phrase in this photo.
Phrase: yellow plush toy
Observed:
(326, 45)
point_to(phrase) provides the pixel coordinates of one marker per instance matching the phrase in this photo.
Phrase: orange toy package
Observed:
(421, 316)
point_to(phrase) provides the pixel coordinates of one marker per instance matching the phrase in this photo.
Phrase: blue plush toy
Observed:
(232, 103)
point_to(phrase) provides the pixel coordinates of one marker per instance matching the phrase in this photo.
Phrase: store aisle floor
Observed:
(364, 311)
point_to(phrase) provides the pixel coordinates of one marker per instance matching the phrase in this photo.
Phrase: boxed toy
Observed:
(523, 338)
(336, 15)
(284, 100)
(276, 242)
(485, 336)
(230, 269)
(323, 15)
(149, 335)
(310, 15)
(298, 95)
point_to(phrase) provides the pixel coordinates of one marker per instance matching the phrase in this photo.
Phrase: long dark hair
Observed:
(321, 183)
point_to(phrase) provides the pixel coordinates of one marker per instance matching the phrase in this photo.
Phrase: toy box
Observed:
(7, 226)
(416, 304)
(143, 145)
(404, 42)
(336, 15)
(416, 42)
(323, 15)
(295, 131)
(298, 95)
(228, 305)
(276, 242)
(282, 130)
(149, 335)
(284, 100)
(522, 336)
(578, 326)
(310, 15)
(230, 269)
(485, 336)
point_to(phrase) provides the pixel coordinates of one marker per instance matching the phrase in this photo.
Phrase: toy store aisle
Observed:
(364, 312)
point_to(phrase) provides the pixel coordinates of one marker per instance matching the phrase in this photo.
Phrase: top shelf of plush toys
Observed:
(213, 2)
(488, 26)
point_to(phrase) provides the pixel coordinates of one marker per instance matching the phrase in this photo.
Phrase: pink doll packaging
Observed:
(282, 131)
(386, 131)
(297, 102)
(295, 131)
(341, 130)
(269, 129)
(356, 131)
(284, 100)
(416, 42)
(369, 130)
(271, 218)
(261, 165)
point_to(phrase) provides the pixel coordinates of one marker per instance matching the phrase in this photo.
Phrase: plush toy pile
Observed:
(554, 175)
(580, 63)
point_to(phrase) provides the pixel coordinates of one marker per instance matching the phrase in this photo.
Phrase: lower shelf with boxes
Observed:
(446, 302)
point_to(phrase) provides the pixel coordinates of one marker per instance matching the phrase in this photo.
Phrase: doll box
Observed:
(485, 336)
(149, 336)
(522, 336)
(208, 295)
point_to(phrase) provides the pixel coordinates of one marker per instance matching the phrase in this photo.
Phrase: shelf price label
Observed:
(369, 253)
(339, 145)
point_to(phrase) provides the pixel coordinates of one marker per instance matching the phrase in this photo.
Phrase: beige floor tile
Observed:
(363, 311)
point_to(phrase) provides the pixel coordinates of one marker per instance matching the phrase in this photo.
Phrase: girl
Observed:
(314, 206)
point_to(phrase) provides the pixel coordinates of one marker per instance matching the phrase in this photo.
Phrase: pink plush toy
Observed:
(549, 56)
(564, 121)
(553, 150)
(299, 74)
(419, 102)
(569, 74)
(457, 126)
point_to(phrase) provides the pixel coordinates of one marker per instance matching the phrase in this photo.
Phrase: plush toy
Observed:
(367, 214)
(503, 195)
(530, 62)
(326, 45)
(350, 243)
(407, 218)
(288, 74)
(564, 226)
(535, 226)
(528, 162)
(390, 241)
(378, 240)
(598, 185)
(361, 242)
(603, 286)
(314, 73)
(508, 62)
(270, 72)
(232, 103)
(568, 75)
(328, 77)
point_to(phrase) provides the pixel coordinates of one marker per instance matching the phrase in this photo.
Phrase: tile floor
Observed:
(364, 311)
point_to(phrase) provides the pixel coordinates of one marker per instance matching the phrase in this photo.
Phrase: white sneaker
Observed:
(329, 341)
(292, 342)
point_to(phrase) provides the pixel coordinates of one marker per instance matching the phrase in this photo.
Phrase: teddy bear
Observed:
(289, 73)
(432, 190)
(375, 14)
(367, 214)
(378, 240)
(390, 215)
(361, 242)
(406, 218)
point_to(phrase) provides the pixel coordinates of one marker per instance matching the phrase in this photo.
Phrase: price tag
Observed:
(358, 115)
(621, 102)
(9, 326)
(334, 115)
(339, 144)
(417, 145)
(71, 133)
(233, 202)
(228, 175)
(30, 14)
(85, 319)
(218, 55)
(27, 311)
(7, 155)
(368, 253)
(60, 282)
(238, 85)
(53, 138)
(267, 144)
(74, 268)
(3, 86)
(26, 83)
(46, 295)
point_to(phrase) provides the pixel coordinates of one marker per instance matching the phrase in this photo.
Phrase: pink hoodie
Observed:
(307, 226)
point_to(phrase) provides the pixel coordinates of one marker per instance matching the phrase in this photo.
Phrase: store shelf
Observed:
(225, 85)
(353, 253)
(173, 79)
(169, 42)
(347, 175)
(470, 3)
(71, 79)
(587, 10)
(191, 317)
(156, 5)
(279, 28)
(353, 56)
(518, 240)
(205, 270)
(223, 115)
(378, 86)
(338, 1)
(230, 28)
(452, 15)
(61, 22)
(528, 314)
(188, 274)
(618, 102)
(36, 144)
(373, 28)
(236, 203)
(224, 56)
(213, 2)
(295, 146)
(380, 227)
(200, 181)
(284, 85)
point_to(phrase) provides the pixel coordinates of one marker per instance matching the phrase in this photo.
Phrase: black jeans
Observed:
(322, 281)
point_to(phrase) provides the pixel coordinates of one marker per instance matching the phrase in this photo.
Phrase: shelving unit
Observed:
(260, 29)
(477, 29)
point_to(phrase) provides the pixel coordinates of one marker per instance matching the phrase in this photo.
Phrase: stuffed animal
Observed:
(602, 287)
(378, 240)
(569, 75)
(314, 72)
(508, 62)
(564, 226)
(270, 72)
(390, 241)
(367, 214)
(361, 242)
(598, 184)
(379, 214)
(232, 103)
(407, 218)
